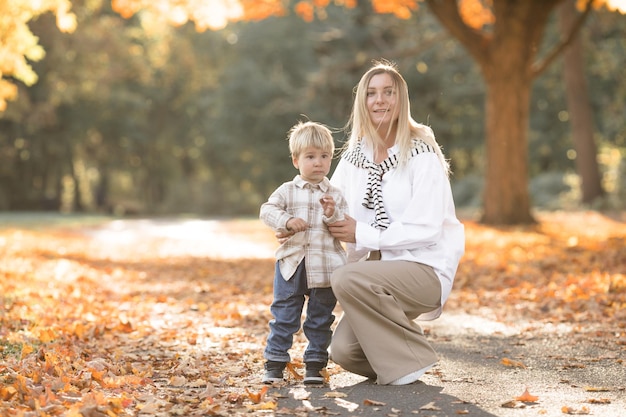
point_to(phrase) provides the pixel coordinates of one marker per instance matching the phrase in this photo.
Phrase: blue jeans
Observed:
(287, 308)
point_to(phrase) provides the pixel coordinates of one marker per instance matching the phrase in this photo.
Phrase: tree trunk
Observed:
(506, 197)
(508, 78)
(505, 51)
(580, 112)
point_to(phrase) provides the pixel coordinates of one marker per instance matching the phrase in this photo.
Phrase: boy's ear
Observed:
(294, 160)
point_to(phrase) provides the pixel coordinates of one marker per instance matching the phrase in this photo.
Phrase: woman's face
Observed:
(381, 100)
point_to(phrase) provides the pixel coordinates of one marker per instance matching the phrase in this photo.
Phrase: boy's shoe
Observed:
(274, 372)
(313, 373)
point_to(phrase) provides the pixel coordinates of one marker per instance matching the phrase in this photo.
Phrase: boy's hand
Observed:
(296, 225)
(328, 204)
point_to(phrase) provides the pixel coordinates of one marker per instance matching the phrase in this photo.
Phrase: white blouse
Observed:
(423, 224)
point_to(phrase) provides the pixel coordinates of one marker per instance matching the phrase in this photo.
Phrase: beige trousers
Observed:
(377, 336)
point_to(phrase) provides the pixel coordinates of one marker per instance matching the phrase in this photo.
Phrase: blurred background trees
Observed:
(134, 115)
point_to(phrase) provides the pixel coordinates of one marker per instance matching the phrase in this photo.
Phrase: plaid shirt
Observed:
(321, 252)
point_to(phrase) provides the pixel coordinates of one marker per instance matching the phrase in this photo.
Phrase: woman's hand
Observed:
(282, 237)
(344, 230)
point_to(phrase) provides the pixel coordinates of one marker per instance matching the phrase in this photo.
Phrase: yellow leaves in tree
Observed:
(309, 9)
(19, 44)
(305, 10)
(259, 10)
(207, 14)
(8, 91)
(400, 8)
(612, 5)
(476, 13)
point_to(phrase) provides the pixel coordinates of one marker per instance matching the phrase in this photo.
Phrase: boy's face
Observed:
(313, 164)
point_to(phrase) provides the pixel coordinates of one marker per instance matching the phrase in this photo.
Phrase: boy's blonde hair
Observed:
(310, 134)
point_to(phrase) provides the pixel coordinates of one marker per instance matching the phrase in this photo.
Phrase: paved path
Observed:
(570, 373)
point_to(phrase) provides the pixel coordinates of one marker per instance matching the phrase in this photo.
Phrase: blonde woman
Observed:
(403, 238)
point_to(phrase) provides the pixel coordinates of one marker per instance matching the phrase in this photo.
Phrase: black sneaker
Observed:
(313, 373)
(274, 372)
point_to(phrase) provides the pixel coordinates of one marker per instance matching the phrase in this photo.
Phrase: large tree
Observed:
(504, 37)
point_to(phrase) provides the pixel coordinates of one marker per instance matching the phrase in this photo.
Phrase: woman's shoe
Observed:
(412, 377)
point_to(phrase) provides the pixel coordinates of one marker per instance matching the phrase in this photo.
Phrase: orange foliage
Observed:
(513, 363)
(257, 397)
(527, 397)
(476, 13)
(262, 9)
(400, 8)
(612, 5)
(305, 10)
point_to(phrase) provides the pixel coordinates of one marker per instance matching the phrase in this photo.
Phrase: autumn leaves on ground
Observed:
(169, 318)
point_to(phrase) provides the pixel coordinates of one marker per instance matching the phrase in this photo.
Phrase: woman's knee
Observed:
(341, 279)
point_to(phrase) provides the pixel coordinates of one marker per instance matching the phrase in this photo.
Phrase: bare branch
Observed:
(474, 41)
(540, 66)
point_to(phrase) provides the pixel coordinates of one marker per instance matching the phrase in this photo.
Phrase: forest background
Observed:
(137, 116)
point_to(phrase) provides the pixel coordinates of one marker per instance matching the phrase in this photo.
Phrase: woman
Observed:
(403, 238)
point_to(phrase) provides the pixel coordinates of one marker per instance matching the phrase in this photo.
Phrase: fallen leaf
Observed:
(373, 402)
(350, 406)
(527, 397)
(597, 389)
(569, 410)
(335, 394)
(513, 404)
(292, 368)
(268, 405)
(257, 397)
(178, 381)
(430, 407)
(513, 363)
(300, 393)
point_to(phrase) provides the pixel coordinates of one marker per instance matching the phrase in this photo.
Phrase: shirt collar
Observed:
(301, 183)
(368, 151)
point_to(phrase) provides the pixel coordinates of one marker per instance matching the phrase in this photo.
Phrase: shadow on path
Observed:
(366, 398)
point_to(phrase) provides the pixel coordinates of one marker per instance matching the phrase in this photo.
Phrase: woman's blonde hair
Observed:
(310, 134)
(360, 126)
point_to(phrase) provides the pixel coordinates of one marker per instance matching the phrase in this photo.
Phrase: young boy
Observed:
(302, 208)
